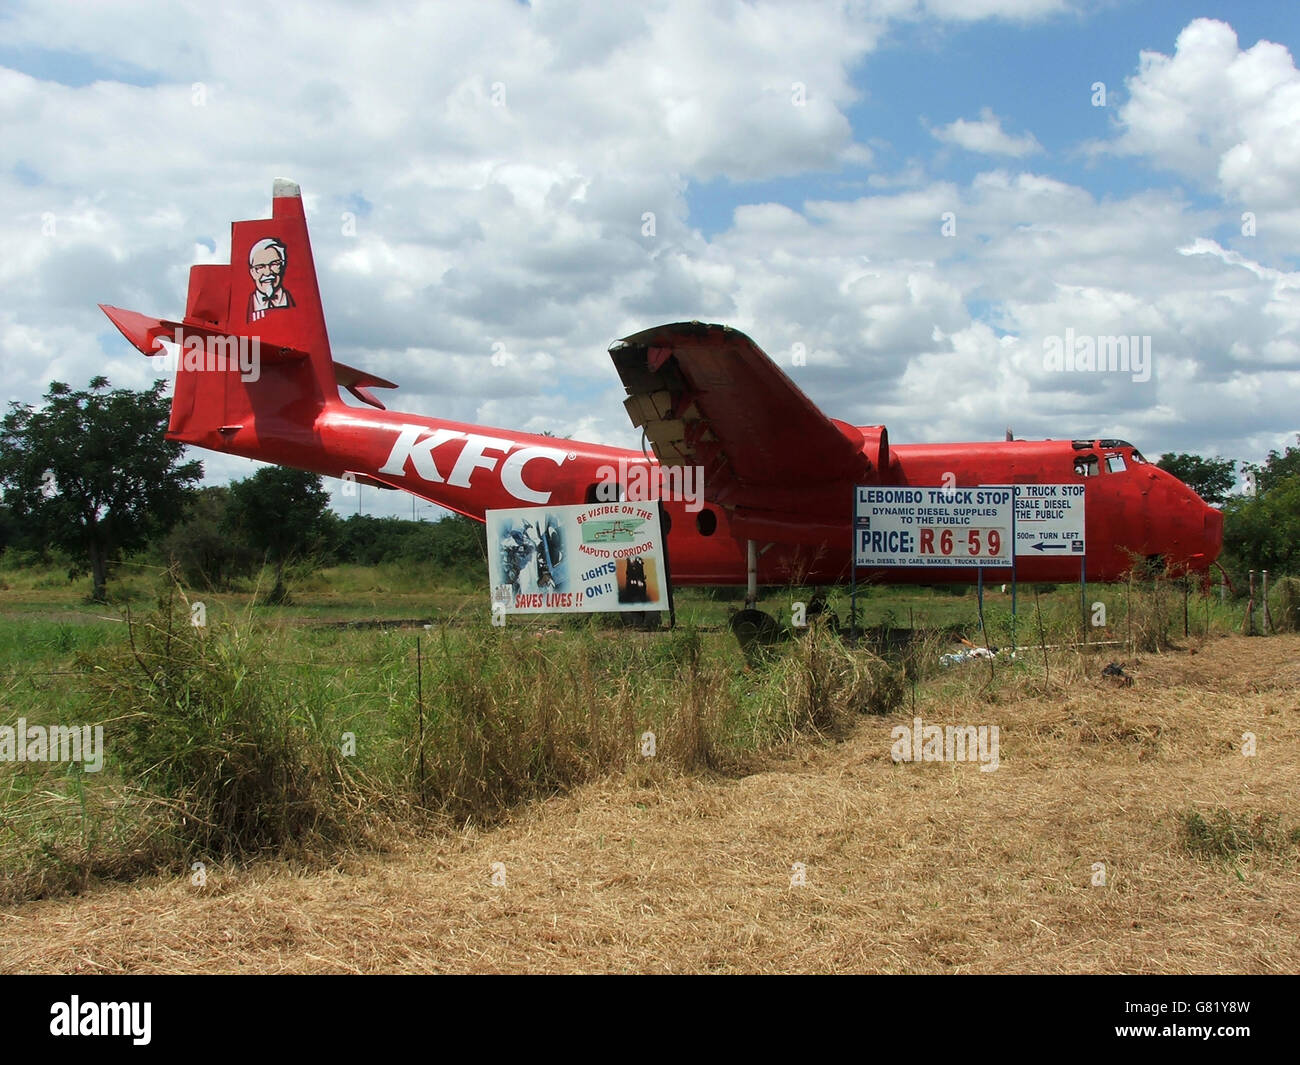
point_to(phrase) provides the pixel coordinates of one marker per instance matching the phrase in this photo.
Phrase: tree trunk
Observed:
(99, 573)
(279, 593)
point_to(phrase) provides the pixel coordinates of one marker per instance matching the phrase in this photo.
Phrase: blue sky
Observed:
(1037, 76)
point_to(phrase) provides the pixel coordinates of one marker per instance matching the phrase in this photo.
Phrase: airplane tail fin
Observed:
(253, 358)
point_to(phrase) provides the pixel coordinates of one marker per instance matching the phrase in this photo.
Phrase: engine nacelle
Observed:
(875, 444)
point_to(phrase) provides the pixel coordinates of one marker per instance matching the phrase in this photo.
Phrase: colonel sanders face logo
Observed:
(266, 262)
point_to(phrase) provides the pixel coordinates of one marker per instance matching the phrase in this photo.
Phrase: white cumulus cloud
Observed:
(987, 137)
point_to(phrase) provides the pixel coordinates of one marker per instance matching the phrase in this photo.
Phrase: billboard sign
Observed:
(932, 527)
(588, 557)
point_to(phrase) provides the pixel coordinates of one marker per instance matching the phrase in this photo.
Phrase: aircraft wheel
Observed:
(756, 631)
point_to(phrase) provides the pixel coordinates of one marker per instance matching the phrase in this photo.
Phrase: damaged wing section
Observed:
(706, 396)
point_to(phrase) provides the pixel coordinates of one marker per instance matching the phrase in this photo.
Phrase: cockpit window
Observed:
(1137, 456)
(1115, 463)
(1085, 466)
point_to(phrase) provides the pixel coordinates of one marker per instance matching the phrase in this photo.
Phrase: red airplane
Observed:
(255, 378)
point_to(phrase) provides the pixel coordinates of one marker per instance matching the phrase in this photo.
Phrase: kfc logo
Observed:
(266, 262)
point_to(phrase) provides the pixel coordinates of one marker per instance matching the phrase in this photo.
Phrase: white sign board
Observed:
(573, 559)
(939, 527)
(1049, 520)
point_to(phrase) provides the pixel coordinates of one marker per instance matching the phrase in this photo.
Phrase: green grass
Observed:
(263, 734)
(1224, 834)
(231, 741)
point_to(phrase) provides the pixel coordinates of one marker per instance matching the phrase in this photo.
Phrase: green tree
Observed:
(452, 543)
(92, 473)
(459, 543)
(1262, 531)
(369, 541)
(9, 528)
(202, 544)
(284, 515)
(1211, 479)
(1277, 467)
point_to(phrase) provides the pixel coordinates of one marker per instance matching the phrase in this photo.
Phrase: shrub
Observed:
(207, 726)
(1286, 618)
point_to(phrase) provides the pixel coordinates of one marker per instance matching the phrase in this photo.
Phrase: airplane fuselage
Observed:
(1134, 510)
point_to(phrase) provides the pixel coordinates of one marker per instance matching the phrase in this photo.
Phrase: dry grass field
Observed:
(926, 867)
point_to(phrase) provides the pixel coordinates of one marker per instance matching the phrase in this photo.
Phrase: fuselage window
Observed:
(1085, 466)
(706, 522)
(1115, 464)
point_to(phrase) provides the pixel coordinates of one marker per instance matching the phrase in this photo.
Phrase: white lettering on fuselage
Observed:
(473, 456)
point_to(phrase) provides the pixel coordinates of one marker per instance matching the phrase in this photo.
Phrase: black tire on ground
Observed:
(755, 629)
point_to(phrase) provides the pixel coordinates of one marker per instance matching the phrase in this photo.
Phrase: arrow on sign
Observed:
(1040, 546)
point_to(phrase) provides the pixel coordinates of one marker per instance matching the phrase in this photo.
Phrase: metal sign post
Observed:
(1083, 594)
(1013, 580)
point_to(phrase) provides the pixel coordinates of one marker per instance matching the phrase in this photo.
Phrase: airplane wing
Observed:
(706, 395)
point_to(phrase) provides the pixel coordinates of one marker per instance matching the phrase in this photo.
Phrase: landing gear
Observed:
(755, 630)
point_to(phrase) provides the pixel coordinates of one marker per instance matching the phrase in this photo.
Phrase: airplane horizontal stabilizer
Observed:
(147, 334)
(359, 383)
